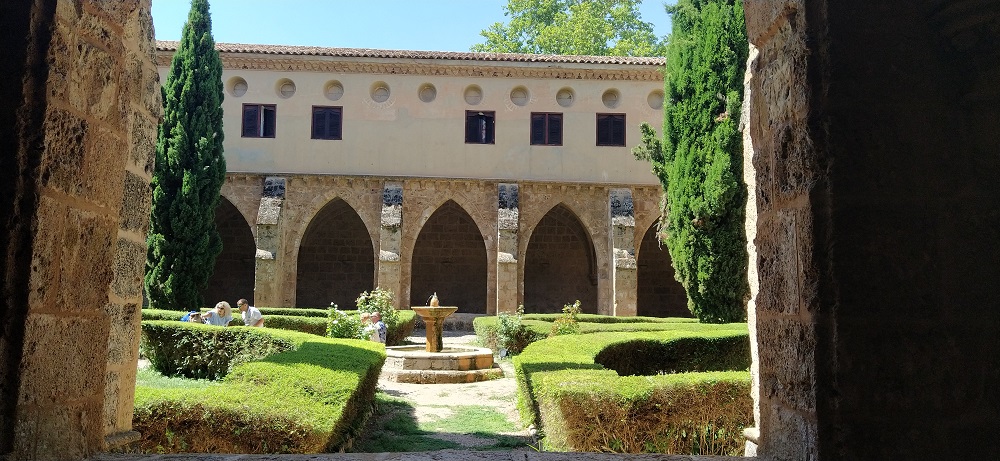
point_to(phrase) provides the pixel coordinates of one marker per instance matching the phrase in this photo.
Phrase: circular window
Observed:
(380, 92)
(565, 97)
(655, 100)
(333, 90)
(519, 96)
(611, 98)
(286, 88)
(427, 92)
(473, 95)
(237, 86)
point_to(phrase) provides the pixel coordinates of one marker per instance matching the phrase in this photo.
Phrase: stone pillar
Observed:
(390, 241)
(626, 281)
(507, 224)
(78, 123)
(268, 272)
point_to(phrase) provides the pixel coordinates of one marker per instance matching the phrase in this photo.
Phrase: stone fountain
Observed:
(434, 363)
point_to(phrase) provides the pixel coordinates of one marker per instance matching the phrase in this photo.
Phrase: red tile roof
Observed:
(162, 45)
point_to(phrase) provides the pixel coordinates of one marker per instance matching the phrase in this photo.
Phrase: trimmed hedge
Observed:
(692, 397)
(309, 323)
(538, 326)
(311, 398)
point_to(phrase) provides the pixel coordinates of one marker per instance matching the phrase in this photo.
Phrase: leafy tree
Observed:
(700, 162)
(190, 168)
(581, 27)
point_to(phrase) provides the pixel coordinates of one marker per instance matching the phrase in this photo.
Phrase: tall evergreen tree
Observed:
(700, 161)
(190, 168)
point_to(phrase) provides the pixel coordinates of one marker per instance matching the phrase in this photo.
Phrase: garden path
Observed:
(433, 405)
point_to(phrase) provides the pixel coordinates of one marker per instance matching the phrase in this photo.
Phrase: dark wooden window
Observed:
(258, 120)
(479, 127)
(327, 122)
(610, 129)
(546, 129)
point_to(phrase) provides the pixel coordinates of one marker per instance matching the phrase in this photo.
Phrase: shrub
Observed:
(294, 311)
(340, 324)
(311, 398)
(199, 351)
(694, 396)
(311, 325)
(379, 300)
(566, 323)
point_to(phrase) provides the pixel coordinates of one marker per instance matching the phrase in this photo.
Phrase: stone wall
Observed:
(85, 128)
(876, 228)
(453, 236)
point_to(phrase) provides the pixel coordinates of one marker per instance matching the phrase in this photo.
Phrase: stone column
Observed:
(623, 248)
(507, 220)
(268, 265)
(390, 240)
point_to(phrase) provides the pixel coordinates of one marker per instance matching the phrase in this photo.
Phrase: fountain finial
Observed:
(434, 300)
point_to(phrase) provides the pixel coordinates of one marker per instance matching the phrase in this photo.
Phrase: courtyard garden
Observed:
(572, 382)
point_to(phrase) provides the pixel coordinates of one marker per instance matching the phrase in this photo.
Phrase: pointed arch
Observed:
(336, 259)
(560, 264)
(233, 277)
(659, 294)
(449, 258)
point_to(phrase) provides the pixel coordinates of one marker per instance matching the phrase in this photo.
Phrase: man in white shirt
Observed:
(251, 315)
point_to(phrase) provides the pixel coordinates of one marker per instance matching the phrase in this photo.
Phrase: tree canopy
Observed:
(190, 168)
(700, 160)
(573, 27)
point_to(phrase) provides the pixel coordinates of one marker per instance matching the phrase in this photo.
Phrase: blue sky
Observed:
(430, 25)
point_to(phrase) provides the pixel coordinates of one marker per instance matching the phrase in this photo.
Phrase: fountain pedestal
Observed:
(433, 317)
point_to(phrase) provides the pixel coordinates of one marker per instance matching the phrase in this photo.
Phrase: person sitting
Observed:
(220, 316)
(251, 315)
(367, 328)
(380, 329)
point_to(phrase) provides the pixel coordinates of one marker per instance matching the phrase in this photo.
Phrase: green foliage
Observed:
(189, 170)
(341, 324)
(295, 311)
(582, 406)
(199, 351)
(311, 325)
(523, 329)
(573, 27)
(566, 324)
(379, 300)
(700, 160)
(311, 398)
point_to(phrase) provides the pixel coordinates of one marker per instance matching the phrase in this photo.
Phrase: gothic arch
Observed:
(449, 257)
(659, 294)
(560, 264)
(336, 259)
(233, 277)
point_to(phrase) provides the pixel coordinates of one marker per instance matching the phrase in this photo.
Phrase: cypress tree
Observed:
(700, 161)
(183, 242)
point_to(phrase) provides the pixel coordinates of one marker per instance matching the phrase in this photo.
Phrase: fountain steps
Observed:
(458, 364)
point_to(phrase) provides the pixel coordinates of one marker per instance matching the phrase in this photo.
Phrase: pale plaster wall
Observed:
(405, 136)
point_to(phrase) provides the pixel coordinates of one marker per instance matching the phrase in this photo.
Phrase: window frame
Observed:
(546, 132)
(611, 129)
(260, 125)
(488, 130)
(339, 135)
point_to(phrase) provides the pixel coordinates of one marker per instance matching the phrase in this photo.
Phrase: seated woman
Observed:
(220, 316)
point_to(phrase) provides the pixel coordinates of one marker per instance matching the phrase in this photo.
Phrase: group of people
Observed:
(374, 327)
(222, 314)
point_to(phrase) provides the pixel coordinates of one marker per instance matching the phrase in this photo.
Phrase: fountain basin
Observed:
(454, 364)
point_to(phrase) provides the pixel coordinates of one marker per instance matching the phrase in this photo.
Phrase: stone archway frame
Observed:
(423, 197)
(589, 203)
(244, 192)
(305, 197)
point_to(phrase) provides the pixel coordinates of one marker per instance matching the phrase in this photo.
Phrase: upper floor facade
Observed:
(308, 110)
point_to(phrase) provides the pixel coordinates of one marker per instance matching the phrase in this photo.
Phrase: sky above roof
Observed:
(427, 25)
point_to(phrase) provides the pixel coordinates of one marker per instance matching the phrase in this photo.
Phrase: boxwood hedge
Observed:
(288, 319)
(305, 394)
(688, 390)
